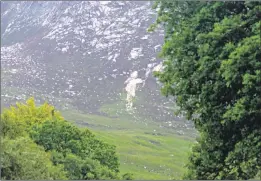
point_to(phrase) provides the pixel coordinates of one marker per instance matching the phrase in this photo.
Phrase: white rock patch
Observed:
(135, 53)
(158, 68)
(130, 88)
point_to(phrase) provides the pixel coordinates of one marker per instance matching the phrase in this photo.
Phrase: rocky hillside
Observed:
(95, 57)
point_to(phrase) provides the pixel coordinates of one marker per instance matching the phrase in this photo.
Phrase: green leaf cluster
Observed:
(71, 146)
(37, 143)
(22, 159)
(212, 55)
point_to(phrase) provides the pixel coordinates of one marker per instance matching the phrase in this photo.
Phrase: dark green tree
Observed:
(62, 137)
(37, 143)
(22, 159)
(212, 55)
(87, 169)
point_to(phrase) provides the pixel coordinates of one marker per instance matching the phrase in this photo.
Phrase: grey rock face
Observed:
(77, 55)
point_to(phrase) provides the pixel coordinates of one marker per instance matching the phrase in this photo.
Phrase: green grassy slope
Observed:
(145, 149)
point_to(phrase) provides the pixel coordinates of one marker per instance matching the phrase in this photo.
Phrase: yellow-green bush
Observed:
(16, 120)
(39, 144)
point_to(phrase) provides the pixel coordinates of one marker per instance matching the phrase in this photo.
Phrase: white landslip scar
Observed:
(130, 88)
(132, 82)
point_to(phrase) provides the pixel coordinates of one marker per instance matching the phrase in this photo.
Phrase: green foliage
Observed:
(39, 144)
(16, 121)
(87, 169)
(65, 138)
(128, 176)
(22, 159)
(212, 68)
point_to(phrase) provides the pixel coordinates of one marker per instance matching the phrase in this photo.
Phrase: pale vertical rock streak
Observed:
(131, 85)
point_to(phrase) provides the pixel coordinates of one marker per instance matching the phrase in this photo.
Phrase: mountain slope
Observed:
(95, 57)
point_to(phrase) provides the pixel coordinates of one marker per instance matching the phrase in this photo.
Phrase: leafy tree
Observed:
(16, 120)
(212, 67)
(65, 138)
(22, 159)
(39, 144)
(87, 169)
(57, 135)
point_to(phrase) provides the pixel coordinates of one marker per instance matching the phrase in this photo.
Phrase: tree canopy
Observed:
(37, 143)
(67, 139)
(22, 159)
(212, 66)
(17, 120)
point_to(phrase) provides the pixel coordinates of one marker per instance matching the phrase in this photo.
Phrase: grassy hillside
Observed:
(145, 149)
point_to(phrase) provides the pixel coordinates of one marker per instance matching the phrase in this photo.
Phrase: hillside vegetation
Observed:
(37, 143)
(211, 68)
